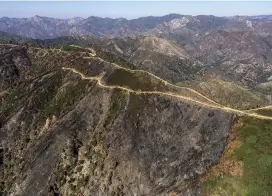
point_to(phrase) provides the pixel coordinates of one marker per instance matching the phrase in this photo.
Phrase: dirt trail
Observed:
(170, 84)
(158, 78)
(169, 94)
(92, 55)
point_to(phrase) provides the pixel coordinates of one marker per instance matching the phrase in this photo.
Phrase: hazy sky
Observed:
(131, 9)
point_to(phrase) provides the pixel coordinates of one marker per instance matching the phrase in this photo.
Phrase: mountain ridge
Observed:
(108, 27)
(184, 63)
(171, 105)
(63, 133)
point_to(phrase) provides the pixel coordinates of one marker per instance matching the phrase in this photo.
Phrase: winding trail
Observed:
(92, 52)
(93, 55)
(169, 94)
(166, 83)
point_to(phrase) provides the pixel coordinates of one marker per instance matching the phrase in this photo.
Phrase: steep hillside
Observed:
(182, 107)
(62, 134)
(231, 93)
(156, 55)
(153, 54)
(245, 167)
(242, 55)
(13, 62)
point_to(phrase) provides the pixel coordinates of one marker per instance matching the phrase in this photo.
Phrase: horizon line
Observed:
(96, 16)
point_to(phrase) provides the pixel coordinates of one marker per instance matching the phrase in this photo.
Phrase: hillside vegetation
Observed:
(246, 166)
(231, 94)
(65, 135)
(154, 106)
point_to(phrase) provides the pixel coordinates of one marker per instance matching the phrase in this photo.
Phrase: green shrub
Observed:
(255, 152)
(130, 80)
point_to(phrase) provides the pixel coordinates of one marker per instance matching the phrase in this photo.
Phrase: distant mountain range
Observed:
(39, 27)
